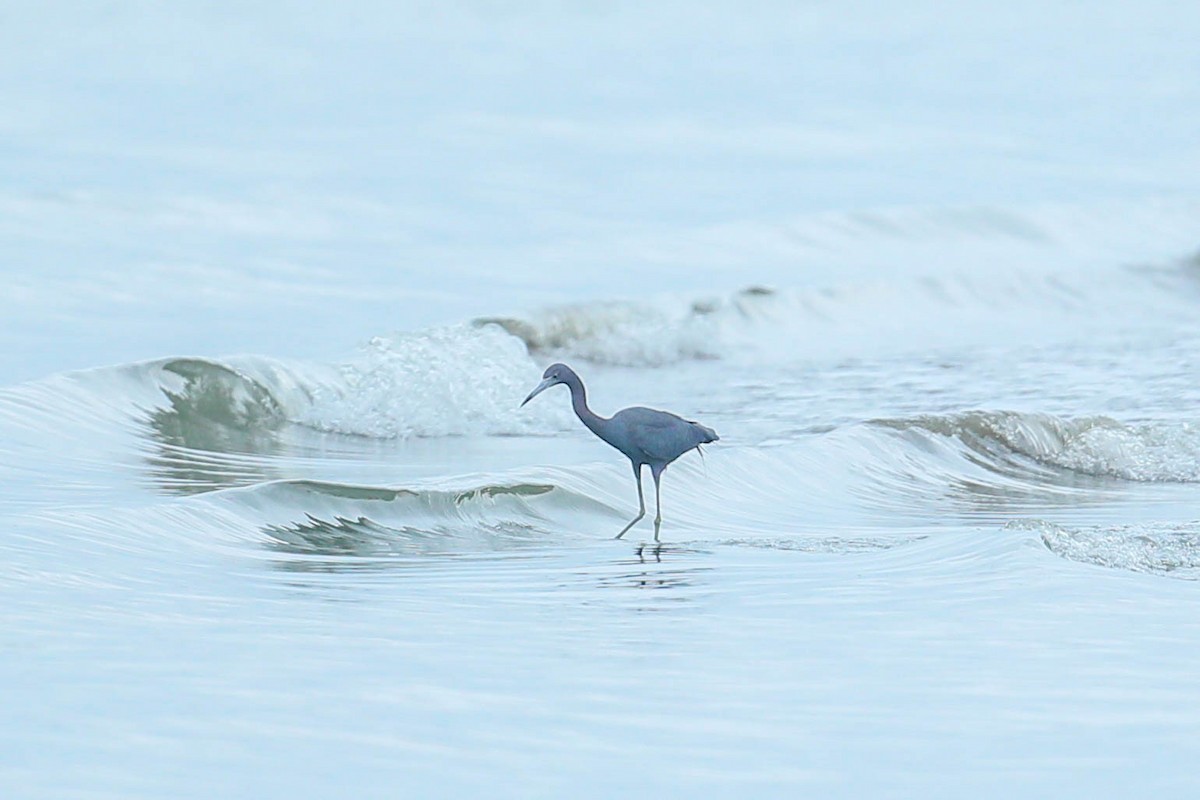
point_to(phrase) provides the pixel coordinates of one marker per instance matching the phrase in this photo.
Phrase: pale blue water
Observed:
(276, 278)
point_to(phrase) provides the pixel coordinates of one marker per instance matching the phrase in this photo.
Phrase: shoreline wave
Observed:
(1039, 445)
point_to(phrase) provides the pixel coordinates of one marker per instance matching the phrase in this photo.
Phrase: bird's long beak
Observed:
(541, 387)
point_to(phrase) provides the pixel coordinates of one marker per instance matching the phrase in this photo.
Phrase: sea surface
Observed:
(276, 278)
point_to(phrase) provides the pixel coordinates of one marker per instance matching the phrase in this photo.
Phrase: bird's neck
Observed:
(591, 419)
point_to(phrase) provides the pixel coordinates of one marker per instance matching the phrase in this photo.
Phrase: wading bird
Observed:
(644, 435)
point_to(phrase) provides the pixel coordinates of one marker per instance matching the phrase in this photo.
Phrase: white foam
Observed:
(1159, 548)
(459, 380)
(619, 333)
(943, 305)
(1149, 452)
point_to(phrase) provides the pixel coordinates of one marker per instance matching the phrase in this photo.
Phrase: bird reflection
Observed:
(646, 570)
(655, 551)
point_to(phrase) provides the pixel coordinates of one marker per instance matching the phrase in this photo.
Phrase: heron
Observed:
(646, 436)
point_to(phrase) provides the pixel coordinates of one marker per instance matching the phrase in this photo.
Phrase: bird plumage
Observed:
(646, 436)
(658, 436)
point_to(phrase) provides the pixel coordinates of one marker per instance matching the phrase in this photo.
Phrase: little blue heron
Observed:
(644, 435)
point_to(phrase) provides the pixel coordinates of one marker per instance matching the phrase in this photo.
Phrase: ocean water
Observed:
(278, 276)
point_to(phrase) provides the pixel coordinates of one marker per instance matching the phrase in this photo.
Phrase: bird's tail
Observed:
(708, 434)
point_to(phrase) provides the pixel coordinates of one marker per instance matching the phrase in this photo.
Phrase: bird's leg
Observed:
(657, 473)
(637, 477)
(641, 498)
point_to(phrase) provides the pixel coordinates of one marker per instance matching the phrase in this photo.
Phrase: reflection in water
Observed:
(656, 551)
(216, 428)
(342, 537)
(346, 543)
(649, 573)
(313, 553)
(358, 545)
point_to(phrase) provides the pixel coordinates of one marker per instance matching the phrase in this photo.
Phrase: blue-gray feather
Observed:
(649, 436)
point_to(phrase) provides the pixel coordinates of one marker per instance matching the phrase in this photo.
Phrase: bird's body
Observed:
(646, 436)
(650, 436)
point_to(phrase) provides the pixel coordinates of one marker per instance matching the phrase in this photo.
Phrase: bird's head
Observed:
(554, 375)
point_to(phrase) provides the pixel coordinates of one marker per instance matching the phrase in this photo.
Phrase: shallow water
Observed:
(274, 522)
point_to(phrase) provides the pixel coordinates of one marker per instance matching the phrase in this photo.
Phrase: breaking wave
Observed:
(1170, 549)
(852, 318)
(635, 334)
(1093, 446)
(447, 382)
(469, 379)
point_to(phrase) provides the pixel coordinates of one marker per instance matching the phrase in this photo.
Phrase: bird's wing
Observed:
(661, 435)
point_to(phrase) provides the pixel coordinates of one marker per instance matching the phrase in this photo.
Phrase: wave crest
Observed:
(1095, 445)
(450, 381)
